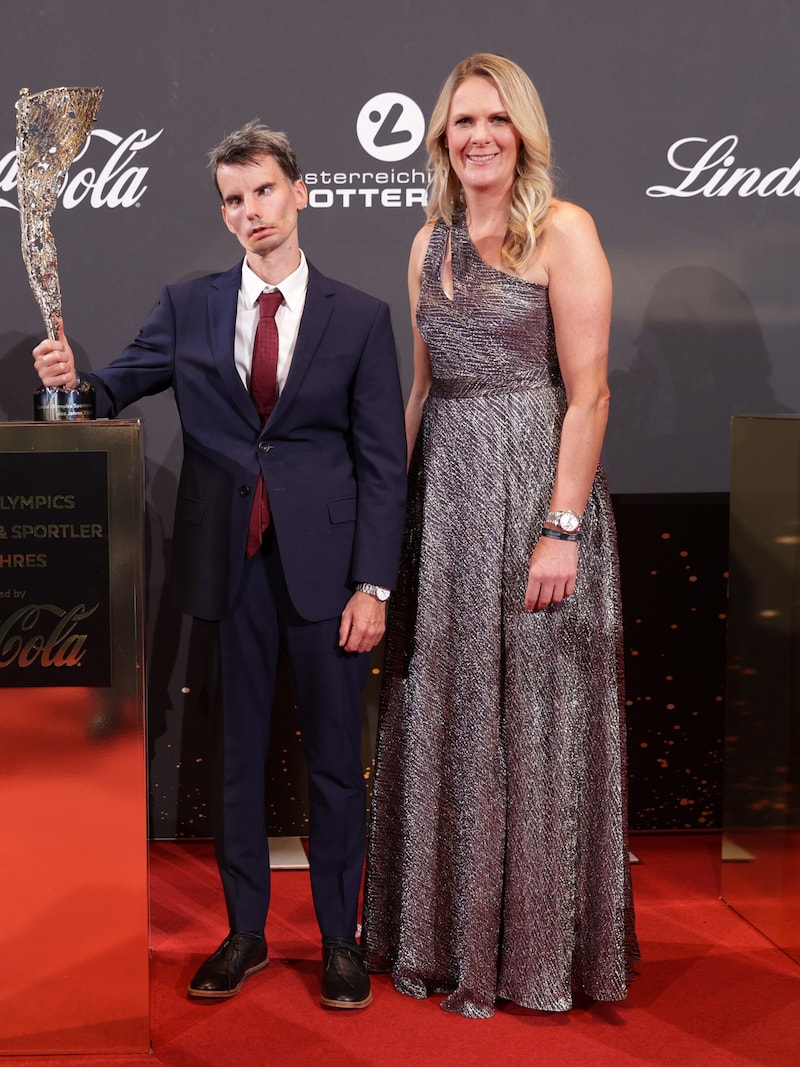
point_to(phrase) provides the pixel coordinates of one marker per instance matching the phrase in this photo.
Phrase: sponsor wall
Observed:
(671, 123)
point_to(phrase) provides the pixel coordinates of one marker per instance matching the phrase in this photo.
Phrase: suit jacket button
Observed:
(244, 490)
(264, 447)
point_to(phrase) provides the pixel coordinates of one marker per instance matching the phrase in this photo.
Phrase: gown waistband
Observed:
(464, 388)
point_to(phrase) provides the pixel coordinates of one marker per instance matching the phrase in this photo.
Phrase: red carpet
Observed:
(711, 989)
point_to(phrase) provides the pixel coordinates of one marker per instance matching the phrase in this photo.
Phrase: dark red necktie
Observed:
(263, 383)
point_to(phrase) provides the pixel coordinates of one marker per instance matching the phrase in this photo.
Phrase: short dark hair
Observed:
(250, 144)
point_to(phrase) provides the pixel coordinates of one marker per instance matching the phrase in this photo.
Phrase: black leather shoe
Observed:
(345, 982)
(239, 956)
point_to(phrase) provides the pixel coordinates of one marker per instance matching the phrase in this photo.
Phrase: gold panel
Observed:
(73, 800)
(761, 843)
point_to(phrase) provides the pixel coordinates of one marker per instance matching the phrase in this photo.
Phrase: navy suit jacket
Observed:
(333, 452)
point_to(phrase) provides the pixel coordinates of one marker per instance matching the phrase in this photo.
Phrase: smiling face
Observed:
(482, 143)
(260, 206)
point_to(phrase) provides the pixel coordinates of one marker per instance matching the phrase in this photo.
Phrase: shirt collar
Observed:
(293, 287)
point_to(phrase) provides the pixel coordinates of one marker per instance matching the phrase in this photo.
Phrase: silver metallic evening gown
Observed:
(497, 865)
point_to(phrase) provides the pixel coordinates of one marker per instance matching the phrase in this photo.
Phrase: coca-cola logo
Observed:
(116, 181)
(44, 633)
(712, 169)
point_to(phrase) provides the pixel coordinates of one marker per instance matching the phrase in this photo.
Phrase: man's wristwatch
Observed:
(567, 521)
(374, 590)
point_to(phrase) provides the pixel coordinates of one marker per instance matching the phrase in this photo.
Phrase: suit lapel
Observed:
(316, 314)
(222, 303)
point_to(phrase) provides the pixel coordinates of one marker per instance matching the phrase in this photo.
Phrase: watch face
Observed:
(569, 521)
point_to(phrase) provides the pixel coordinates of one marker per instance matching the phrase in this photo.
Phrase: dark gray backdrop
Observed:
(705, 309)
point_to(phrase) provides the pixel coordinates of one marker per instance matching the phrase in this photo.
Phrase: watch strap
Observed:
(374, 590)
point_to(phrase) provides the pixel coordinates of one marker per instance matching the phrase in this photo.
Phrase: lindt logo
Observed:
(118, 181)
(712, 171)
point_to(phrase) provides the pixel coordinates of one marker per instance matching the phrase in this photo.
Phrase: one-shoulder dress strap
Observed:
(434, 254)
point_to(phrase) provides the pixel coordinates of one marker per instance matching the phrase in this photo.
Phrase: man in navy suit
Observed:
(323, 476)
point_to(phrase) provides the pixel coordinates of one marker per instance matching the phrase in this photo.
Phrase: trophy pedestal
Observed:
(73, 792)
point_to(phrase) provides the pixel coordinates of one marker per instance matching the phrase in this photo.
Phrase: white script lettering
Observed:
(115, 183)
(713, 172)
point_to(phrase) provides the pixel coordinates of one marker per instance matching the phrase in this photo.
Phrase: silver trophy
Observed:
(52, 127)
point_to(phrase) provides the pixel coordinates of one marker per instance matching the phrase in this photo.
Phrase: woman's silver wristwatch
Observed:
(567, 521)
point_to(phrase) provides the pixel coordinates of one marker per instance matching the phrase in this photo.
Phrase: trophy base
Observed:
(59, 404)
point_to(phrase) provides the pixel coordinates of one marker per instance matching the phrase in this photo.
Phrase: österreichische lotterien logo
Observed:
(390, 127)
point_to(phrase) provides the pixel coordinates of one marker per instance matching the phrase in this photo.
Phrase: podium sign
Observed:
(54, 596)
(73, 798)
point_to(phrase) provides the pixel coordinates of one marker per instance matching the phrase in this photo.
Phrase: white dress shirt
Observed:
(287, 319)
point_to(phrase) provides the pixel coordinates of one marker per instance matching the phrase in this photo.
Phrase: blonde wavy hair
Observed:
(533, 187)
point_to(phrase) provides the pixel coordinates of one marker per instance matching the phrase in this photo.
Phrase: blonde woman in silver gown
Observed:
(498, 865)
